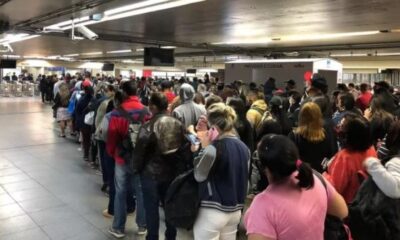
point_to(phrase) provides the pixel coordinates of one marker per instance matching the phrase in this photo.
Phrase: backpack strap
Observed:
(129, 117)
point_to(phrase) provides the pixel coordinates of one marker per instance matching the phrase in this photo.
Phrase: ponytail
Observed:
(305, 176)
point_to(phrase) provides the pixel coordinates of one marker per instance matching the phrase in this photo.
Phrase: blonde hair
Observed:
(222, 116)
(311, 123)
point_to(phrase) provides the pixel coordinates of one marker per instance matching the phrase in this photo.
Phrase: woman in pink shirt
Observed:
(295, 204)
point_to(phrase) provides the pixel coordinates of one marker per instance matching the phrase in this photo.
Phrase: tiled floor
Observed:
(46, 190)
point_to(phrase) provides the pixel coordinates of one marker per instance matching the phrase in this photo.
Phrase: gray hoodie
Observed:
(188, 112)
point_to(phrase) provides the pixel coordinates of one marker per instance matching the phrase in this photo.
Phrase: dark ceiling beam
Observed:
(77, 7)
(2, 2)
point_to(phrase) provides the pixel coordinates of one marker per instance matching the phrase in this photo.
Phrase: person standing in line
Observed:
(124, 177)
(82, 108)
(61, 108)
(188, 112)
(222, 170)
(296, 202)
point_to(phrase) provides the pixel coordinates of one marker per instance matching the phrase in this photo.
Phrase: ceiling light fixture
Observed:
(120, 51)
(11, 56)
(71, 55)
(389, 54)
(92, 53)
(140, 50)
(65, 23)
(133, 6)
(349, 55)
(148, 6)
(168, 47)
(291, 38)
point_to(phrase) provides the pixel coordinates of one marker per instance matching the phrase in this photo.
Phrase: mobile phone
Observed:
(192, 139)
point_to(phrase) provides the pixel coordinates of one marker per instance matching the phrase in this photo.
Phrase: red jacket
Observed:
(342, 173)
(363, 100)
(118, 127)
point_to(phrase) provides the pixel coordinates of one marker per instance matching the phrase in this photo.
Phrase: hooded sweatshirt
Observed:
(256, 112)
(188, 112)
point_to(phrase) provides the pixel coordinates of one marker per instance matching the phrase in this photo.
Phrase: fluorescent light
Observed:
(121, 51)
(327, 36)
(11, 56)
(133, 6)
(85, 23)
(389, 54)
(350, 55)
(131, 61)
(92, 53)
(290, 38)
(136, 12)
(140, 50)
(168, 47)
(71, 55)
(32, 56)
(12, 38)
(155, 8)
(69, 22)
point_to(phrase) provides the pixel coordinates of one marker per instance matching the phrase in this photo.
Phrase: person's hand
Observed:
(191, 130)
(204, 138)
(202, 124)
(368, 113)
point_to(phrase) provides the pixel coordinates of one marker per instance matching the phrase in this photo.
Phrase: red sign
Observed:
(147, 73)
(307, 76)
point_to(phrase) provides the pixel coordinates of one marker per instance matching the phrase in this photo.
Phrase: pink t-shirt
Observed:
(286, 213)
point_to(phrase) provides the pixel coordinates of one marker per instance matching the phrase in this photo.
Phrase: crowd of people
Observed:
(300, 157)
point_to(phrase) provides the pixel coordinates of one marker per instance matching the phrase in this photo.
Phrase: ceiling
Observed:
(195, 27)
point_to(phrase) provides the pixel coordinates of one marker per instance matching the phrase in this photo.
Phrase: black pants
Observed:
(43, 96)
(86, 140)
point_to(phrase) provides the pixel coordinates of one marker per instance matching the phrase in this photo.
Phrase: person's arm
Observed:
(387, 179)
(258, 237)
(337, 206)
(204, 162)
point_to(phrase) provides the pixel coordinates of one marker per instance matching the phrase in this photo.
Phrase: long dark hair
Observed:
(280, 155)
(393, 139)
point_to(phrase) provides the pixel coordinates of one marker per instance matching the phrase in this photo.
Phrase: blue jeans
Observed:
(153, 193)
(124, 181)
(102, 155)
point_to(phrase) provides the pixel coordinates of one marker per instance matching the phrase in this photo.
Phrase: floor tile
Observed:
(19, 186)
(68, 228)
(32, 234)
(5, 199)
(92, 235)
(9, 171)
(15, 225)
(10, 210)
(54, 215)
(39, 204)
(14, 178)
(29, 194)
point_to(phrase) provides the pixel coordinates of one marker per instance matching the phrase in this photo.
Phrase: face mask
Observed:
(213, 134)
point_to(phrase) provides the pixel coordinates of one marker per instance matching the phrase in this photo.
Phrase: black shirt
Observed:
(313, 152)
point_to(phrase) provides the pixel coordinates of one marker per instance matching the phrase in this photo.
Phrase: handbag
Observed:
(89, 118)
(335, 229)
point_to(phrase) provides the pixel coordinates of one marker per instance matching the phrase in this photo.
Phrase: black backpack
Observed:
(128, 144)
(182, 201)
(373, 215)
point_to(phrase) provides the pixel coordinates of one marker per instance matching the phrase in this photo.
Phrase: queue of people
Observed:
(300, 158)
